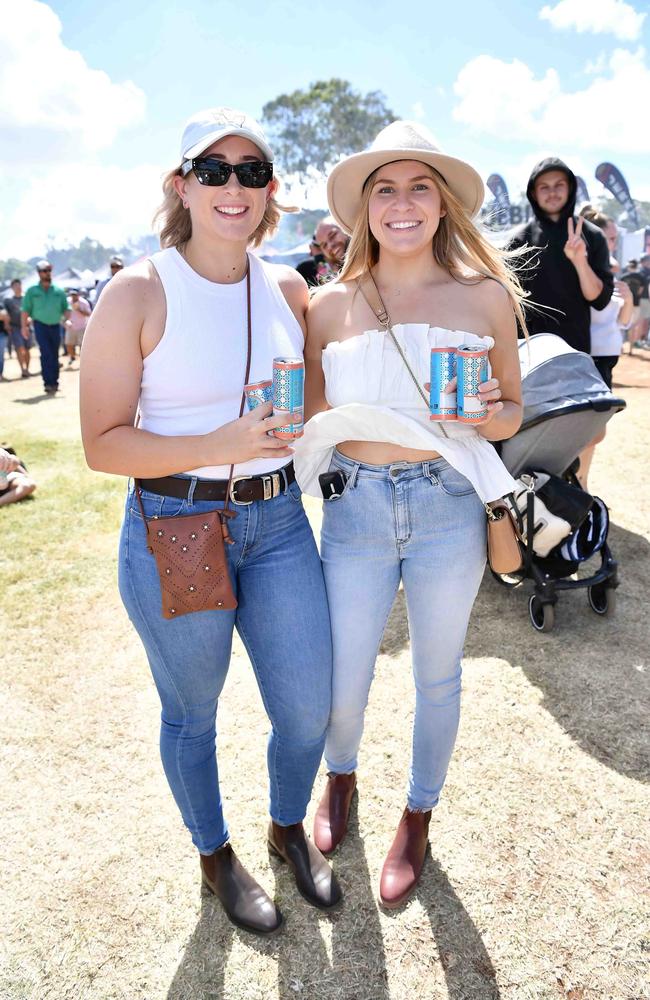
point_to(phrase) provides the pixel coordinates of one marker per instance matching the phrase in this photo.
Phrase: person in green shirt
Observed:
(47, 306)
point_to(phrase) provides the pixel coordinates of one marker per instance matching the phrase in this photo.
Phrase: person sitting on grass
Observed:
(15, 484)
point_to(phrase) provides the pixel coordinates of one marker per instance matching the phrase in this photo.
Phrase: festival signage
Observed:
(582, 195)
(612, 178)
(501, 207)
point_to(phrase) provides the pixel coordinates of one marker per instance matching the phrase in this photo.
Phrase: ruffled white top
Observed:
(373, 398)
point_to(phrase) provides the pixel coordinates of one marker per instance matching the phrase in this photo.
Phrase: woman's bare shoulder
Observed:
(329, 309)
(333, 297)
(136, 287)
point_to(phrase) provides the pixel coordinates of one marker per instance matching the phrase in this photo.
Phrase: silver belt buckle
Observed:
(239, 503)
(271, 485)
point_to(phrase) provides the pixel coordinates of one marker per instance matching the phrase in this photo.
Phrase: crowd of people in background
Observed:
(55, 318)
(51, 316)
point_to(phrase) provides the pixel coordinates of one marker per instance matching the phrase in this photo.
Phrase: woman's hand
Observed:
(247, 438)
(490, 392)
(624, 291)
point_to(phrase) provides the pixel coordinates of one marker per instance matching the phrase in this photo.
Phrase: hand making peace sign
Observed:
(575, 247)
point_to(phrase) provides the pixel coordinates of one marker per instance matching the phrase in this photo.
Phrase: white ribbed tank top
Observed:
(193, 379)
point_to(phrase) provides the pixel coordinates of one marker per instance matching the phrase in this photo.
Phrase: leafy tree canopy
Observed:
(610, 206)
(313, 128)
(13, 268)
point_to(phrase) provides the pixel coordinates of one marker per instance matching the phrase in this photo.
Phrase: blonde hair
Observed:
(458, 247)
(176, 224)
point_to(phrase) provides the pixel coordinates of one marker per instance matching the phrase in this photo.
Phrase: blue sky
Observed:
(92, 101)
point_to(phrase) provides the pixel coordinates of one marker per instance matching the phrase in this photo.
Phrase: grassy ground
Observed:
(539, 853)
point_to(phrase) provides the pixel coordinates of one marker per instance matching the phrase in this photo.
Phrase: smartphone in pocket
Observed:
(332, 484)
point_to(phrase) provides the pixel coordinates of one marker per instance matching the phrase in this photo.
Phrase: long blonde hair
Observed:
(458, 247)
(176, 224)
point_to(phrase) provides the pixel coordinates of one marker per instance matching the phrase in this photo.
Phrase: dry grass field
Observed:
(537, 883)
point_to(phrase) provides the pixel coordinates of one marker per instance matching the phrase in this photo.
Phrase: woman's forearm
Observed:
(129, 451)
(504, 424)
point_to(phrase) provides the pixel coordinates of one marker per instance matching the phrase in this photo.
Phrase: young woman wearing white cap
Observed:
(407, 492)
(169, 339)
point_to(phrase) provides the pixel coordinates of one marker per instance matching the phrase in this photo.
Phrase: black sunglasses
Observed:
(216, 173)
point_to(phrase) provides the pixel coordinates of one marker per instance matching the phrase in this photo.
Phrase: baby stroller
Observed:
(566, 405)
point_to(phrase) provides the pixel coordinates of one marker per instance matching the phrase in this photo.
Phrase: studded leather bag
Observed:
(190, 550)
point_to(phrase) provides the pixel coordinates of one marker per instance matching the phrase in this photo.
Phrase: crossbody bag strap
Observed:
(225, 513)
(368, 288)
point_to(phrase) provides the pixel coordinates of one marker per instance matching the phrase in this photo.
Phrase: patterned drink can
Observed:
(259, 392)
(289, 395)
(442, 404)
(294, 427)
(472, 369)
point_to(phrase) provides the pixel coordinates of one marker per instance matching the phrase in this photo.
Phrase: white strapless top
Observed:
(373, 398)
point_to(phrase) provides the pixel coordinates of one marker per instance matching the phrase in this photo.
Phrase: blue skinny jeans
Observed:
(422, 524)
(283, 620)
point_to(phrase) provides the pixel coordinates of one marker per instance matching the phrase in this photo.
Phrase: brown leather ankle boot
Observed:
(331, 819)
(403, 864)
(245, 902)
(315, 880)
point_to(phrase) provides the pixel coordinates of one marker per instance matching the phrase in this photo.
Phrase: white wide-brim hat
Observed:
(400, 140)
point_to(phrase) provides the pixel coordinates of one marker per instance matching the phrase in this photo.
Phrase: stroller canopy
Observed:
(566, 405)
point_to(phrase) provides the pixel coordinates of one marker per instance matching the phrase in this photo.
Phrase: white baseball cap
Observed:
(206, 127)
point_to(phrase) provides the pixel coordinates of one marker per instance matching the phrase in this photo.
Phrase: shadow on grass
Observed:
(357, 968)
(468, 969)
(592, 670)
(201, 973)
(29, 401)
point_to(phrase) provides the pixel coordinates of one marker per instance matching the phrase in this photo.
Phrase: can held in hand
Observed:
(289, 396)
(294, 427)
(472, 370)
(442, 403)
(258, 393)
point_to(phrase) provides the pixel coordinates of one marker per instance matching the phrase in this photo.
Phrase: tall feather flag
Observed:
(498, 187)
(612, 178)
(582, 194)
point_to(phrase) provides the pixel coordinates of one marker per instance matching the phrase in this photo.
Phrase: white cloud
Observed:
(49, 97)
(67, 202)
(57, 114)
(597, 66)
(417, 111)
(597, 16)
(520, 107)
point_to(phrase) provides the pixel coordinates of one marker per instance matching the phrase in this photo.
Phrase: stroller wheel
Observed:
(602, 599)
(542, 616)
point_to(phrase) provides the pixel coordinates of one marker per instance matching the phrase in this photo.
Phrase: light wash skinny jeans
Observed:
(283, 621)
(423, 524)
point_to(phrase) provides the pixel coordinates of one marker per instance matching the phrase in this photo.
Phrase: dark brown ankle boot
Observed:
(331, 819)
(315, 880)
(245, 902)
(403, 864)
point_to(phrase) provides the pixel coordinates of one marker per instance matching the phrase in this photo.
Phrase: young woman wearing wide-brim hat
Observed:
(169, 339)
(408, 492)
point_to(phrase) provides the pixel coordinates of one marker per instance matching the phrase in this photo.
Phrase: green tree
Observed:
(13, 268)
(610, 206)
(313, 128)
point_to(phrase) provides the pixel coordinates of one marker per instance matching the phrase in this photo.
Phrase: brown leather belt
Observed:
(243, 491)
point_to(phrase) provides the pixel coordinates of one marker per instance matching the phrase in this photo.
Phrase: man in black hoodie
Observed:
(571, 272)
